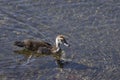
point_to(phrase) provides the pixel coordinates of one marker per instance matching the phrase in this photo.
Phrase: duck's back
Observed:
(36, 44)
(32, 44)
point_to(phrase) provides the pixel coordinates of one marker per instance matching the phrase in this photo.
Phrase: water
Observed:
(91, 27)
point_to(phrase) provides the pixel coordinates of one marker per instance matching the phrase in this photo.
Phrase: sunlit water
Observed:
(92, 29)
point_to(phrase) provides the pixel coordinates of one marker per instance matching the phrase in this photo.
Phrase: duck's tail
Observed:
(19, 44)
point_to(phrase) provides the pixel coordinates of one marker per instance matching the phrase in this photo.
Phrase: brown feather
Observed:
(32, 45)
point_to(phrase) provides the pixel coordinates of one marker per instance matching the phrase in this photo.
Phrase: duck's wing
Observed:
(44, 50)
(37, 44)
(44, 44)
(32, 45)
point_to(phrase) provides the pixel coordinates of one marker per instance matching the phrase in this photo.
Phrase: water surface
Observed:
(92, 29)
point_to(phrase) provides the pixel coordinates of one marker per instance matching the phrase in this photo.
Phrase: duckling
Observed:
(42, 46)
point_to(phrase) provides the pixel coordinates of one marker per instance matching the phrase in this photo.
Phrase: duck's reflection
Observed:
(58, 59)
(28, 54)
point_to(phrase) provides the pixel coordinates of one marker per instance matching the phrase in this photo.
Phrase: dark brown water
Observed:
(92, 28)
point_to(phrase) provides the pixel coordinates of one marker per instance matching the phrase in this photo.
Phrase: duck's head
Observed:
(60, 39)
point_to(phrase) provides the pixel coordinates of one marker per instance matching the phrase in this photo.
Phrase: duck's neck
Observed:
(57, 45)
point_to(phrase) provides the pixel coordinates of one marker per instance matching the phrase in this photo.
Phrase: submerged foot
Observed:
(29, 60)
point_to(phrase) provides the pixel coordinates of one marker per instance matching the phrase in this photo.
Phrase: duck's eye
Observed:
(61, 40)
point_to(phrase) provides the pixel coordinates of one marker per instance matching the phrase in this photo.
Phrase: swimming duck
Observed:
(42, 46)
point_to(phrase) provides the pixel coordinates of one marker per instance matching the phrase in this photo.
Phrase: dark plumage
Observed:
(32, 45)
(43, 47)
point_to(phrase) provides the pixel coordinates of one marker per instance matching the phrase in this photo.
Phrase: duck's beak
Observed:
(66, 44)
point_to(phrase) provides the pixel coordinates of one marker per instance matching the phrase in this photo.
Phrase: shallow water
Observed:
(92, 29)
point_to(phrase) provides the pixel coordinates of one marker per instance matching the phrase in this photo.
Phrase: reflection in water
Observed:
(58, 58)
(28, 54)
